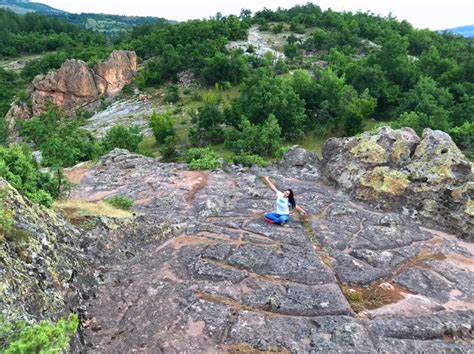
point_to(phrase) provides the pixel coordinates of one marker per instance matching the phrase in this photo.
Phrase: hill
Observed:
(109, 24)
(465, 31)
(24, 6)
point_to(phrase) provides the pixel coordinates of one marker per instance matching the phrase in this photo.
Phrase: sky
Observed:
(433, 14)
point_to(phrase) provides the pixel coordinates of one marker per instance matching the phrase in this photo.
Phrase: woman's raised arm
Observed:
(271, 185)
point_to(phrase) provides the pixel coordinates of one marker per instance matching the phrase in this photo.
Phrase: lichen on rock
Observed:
(396, 169)
(382, 184)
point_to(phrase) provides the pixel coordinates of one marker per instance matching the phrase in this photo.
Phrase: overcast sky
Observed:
(433, 14)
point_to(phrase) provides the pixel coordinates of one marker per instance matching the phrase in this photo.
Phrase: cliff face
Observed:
(395, 169)
(76, 85)
(43, 271)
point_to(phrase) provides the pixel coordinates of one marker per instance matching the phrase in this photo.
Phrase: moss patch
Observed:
(369, 152)
(469, 207)
(385, 181)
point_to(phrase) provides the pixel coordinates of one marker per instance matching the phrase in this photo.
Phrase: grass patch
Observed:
(77, 211)
(312, 142)
(121, 202)
(148, 147)
(44, 337)
(371, 297)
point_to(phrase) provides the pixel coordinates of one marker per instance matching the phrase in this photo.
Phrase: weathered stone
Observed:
(425, 283)
(17, 111)
(197, 269)
(43, 271)
(75, 85)
(116, 72)
(394, 169)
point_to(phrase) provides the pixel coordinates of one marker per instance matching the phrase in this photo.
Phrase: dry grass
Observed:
(421, 259)
(78, 210)
(371, 297)
(244, 348)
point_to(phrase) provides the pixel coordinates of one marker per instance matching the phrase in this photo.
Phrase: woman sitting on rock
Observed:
(284, 201)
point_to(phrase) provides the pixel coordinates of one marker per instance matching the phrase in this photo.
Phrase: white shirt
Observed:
(282, 204)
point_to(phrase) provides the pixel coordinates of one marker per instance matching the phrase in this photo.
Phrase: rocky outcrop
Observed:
(17, 111)
(116, 72)
(76, 85)
(395, 169)
(200, 270)
(197, 268)
(73, 85)
(43, 271)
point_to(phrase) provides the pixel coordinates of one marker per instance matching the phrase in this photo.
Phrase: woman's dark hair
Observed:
(291, 198)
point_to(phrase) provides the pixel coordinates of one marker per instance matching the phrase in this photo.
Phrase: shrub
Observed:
(162, 126)
(263, 140)
(208, 121)
(168, 149)
(62, 141)
(44, 337)
(249, 160)
(172, 94)
(122, 137)
(281, 152)
(202, 159)
(121, 202)
(18, 167)
(463, 135)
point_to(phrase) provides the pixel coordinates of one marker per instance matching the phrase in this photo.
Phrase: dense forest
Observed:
(342, 73)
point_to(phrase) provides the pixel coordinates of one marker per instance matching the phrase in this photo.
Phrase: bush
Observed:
(123, 138)
(62, 141)
(463, 136)
(162, 126)
(121, 202)
(249, 160)
(44, 337)
(263, 140)
(19, 168)
(208, 121)
(202, 159)
(172, 94)
(168, 149)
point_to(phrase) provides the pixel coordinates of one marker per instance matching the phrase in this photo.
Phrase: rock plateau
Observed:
(196, 269)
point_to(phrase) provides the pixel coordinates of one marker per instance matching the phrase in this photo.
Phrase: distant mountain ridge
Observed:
(24, 6)
(465, 31)
(108, 24)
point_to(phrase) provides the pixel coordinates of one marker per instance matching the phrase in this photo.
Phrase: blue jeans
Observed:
(277, 218)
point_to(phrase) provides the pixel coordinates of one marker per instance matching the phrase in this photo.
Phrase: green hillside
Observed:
(328, 74)
(108, 24)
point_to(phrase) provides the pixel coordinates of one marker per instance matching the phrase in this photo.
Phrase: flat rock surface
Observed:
(199, 270)
(126, 112)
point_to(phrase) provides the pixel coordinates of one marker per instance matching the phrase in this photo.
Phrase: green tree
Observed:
(162, 126)
(430, 103)
(263, 94)
(62, 141)
(168, 149)
(264, 140)
(208, 122)
(122, 137)
(19, 168)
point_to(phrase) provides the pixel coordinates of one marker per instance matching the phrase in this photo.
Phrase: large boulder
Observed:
(396, 169)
